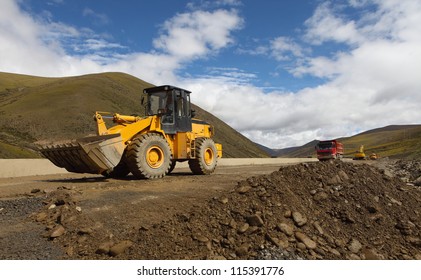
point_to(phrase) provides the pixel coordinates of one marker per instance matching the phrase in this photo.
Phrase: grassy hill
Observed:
(38, 108)
(394, 141)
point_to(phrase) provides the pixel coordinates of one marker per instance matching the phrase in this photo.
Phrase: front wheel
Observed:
(172, 166)
(149, 156)
(120, 171)
(206, 157)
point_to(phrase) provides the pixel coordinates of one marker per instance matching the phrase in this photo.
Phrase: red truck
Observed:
(329, 149)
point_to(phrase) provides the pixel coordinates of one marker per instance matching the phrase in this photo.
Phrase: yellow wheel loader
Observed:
(147, 147)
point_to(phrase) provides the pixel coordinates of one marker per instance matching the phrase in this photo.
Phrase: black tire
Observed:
(172, 166)
(149, 156)
(120, 171)
(206, 157)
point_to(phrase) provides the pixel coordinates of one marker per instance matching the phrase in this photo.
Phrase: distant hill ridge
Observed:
(394, 141)
(39, 108)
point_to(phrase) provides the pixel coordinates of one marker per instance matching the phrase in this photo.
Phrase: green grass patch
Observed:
(11, 151)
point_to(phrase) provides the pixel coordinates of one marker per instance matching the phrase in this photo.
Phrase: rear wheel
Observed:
(149, 156)
(206, 157)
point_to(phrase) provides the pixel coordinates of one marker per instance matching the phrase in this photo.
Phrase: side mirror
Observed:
(193, 113)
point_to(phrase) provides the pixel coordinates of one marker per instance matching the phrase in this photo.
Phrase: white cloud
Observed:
(283, 47)
(192, 35)
(325, 25)
(98, 18)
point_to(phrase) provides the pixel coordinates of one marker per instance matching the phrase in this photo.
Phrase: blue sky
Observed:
(134, 25)
(281, 72)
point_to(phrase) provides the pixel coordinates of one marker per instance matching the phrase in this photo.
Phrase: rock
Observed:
(242, 250)
(414, 241)
(310, 244)
(243, 228)
(394, 201)
(252, 229)
(339, 242)
(35, 190)
(254, 220)
(301, 246)
(233, 224)
(372, 209)
(299, 219)
(417, 182)
(354, 257)
(282, 243)
(52, 206)
(78, 209)
(335, 180)
(70, 251)
(218, 258)
(57, 231)
(85, 230)
(41, 217)
(354, 246)
(287, 214)
(335, 252)
(104, 248)
(405, 227)
(60, 202)
(318, 228)
(82, 239)
(243, 189)
(320, 196)
(342, 174)
(224, 200)
(200, 238)
(388, 173)
(120, 248)
(285, 228)
(371, 254)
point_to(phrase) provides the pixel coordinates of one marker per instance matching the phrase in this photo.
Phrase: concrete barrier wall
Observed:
(30, 167)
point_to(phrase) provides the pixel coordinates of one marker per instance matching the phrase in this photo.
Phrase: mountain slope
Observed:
(399, 141)
(38, 108)
(395, 141)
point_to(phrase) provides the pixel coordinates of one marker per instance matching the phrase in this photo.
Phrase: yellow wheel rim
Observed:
(155, 157)
(209, 156)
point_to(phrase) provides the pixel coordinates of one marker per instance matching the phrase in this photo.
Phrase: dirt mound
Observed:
(331, 210)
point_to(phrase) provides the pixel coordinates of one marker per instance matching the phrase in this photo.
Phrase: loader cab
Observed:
(172, 105)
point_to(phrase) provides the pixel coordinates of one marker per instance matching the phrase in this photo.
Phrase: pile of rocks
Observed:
(308, 211)
(408, 170)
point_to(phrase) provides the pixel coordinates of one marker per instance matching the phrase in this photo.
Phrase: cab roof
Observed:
(163, 88)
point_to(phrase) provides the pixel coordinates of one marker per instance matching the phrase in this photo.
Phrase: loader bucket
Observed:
(94, 154)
